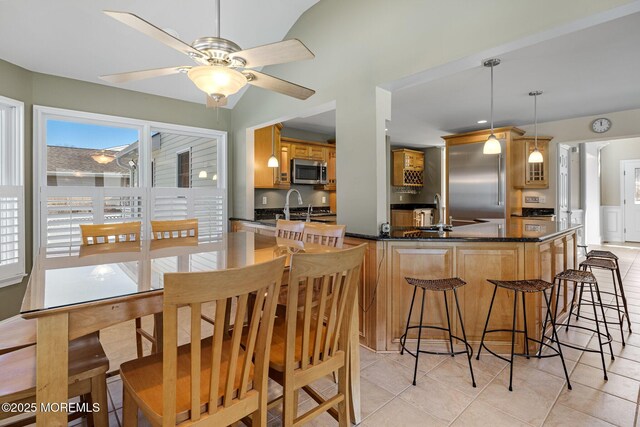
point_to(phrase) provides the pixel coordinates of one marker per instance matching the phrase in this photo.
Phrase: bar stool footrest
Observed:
(403, 340)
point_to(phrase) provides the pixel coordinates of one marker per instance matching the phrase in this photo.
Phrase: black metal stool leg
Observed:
(513, 339)
(554, 334)
(484, 332)
(624, 298)
(446, 308)
(573, 302)
(415, 370)
(580, 300)
(620, 319)
(464, 335)
(598, 333)
(604, 319)
(526, 332)
(403, 339)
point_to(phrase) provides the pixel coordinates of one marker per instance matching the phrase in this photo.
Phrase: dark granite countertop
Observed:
(495, 230)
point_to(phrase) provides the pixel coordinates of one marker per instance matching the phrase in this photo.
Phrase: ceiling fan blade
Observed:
(275, 84)
(274, 53)
(139, 75)
(151, 30)
(212, 103)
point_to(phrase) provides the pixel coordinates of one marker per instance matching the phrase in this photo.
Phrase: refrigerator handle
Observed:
(499, 184)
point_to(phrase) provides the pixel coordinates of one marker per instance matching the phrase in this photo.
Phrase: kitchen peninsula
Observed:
(497, 249)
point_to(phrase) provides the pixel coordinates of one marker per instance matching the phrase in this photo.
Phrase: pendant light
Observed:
(536, 155)
(273, 160)
(492, 145)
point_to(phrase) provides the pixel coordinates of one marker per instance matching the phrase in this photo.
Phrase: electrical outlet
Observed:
(532, 199)
(542, 199)
(324, 199)
(264, 200)
(400, 198)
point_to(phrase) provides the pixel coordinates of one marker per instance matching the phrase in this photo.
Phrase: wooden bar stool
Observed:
(17, 332)
(522, 287)
(437, 285)
(580, 278)
(291, 230)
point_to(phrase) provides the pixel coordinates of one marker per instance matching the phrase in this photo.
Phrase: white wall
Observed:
(590, 191)
(362, 44)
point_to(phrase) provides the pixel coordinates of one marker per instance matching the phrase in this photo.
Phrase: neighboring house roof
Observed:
(72, 159)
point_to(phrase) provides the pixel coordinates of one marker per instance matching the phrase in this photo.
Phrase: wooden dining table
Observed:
(76, 290)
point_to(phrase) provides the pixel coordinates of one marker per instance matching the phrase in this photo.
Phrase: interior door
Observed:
(564, 210)
(632, 201)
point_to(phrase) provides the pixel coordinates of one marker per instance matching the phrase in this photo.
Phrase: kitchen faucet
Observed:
(287, 214)
(438, 202)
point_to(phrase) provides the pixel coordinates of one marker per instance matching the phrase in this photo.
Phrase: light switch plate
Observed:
(532, 199)
(400, 198)
(324, 199)
(264, 200)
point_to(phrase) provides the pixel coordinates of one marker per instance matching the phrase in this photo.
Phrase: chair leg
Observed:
(289, 411)
(446, 309)
(99, 396)
(138, 337)
(129, 410)
(403, 339)
(604, 318)
(595, 317)
(554, 334)
(513, 339)
(620, 319)
(486, 324)
(464, 336)
(415, 369)
(259, 418)
(573, 301)
(343, 389)
(526, 332)
(624, 298)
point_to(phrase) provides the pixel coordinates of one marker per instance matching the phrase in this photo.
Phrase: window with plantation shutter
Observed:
(12, 263)
(123, 170)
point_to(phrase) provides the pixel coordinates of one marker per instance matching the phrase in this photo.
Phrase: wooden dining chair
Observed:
(88, 366)
(16, 332)
(291, 230)
(111, 235)
(324, 234)
(178, 229)
(217, 380)
(311, 341)
(93, 234)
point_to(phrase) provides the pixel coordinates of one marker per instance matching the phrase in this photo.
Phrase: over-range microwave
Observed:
(308, 171)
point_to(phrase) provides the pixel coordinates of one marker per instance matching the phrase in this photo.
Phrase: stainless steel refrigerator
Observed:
(477, 187)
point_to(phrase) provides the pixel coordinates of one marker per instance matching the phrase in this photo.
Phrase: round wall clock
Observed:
(601, 125)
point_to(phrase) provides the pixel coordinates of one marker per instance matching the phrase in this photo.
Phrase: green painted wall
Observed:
(41, 89)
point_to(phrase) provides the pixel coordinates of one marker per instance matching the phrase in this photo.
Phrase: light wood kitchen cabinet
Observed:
(530, 175)
(408, 168)
(401, 217)
(285, 163)
(266, 142)
(331, 169)
(302, 150)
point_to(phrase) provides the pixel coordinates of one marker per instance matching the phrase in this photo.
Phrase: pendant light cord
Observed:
(216, 28)
(491, 99)
(273, 137)
(535, 119)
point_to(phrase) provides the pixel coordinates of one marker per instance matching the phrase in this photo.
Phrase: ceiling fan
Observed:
(223, 67)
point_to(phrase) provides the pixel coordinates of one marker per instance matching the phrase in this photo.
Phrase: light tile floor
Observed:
(444, 396)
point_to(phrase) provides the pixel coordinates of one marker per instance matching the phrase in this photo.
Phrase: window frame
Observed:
(14, 162)
(42, 113)
(178, 177)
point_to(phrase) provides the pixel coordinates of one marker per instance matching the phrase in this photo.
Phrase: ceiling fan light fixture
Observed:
(492, 145)
(217, 81)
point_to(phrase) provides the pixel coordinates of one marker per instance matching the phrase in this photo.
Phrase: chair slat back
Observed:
(95, 234)
(178, 229)
(291, 230)
(231, 388)
(324, 234)
(327, 283)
